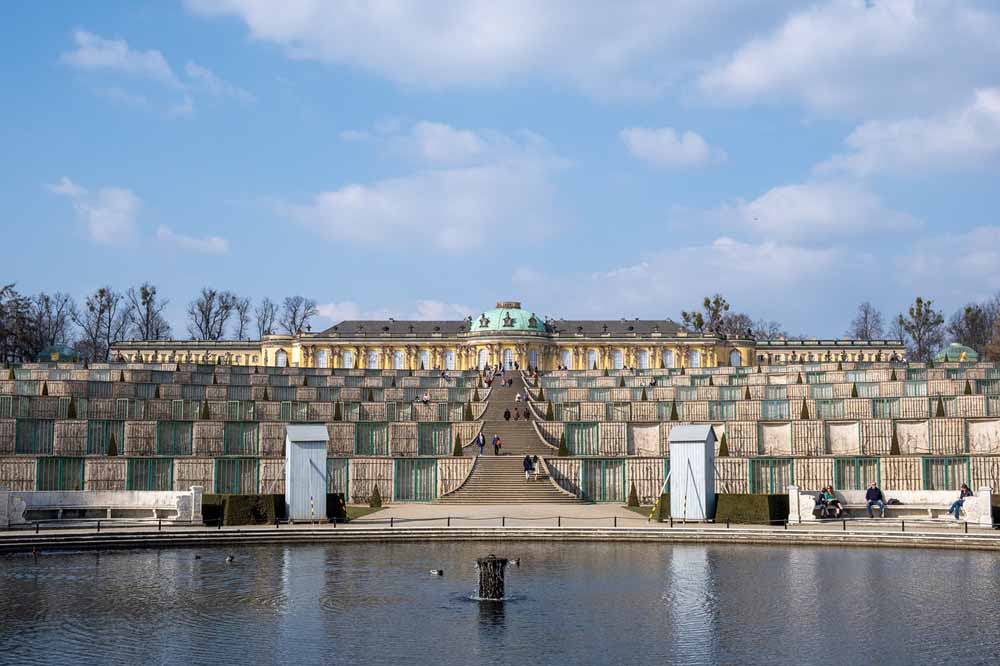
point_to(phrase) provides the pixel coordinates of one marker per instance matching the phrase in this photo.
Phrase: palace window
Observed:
(397, 360)
(567, 358)
(619, 359)
(735, 359)
(668, 358)
(591, 359)
(508, 359)
(694, 359)
(425, 360)
(449, 360)
(281, 358)
(322, 359)
(643, 359)
(347, 359)
(372, 360)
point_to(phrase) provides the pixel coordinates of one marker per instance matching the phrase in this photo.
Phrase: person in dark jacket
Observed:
(529, 467)
(496, 445)
(480, 441)
(956, 506)
(506, 415)
(874, 497)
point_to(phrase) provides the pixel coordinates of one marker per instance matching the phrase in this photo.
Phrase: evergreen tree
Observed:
(673, 411)
(549, 413)
(375, 501)
(541, 394)
(606, 373)
(11, 376)
(746, 394)
(939, 413)
(894, 445)
(393, 384)
(156, 392)
(121, 375)
(45, 388)
(633, 496)
(337, 416)
(723, 447)
(215, 380)
(968, 387)
(371, 395)
(643, 396)
(840, 366)
(458, 446)
(71, 410)
(621, 382)
(854, 390)
(892, 377)
(798, 378)
(267, 398)
(204, 410)
(930, 364)
(804, 414)
(475, 395)
(468, 412)
(563, 449)
(710, 382)
(682, 369)
(112, 446)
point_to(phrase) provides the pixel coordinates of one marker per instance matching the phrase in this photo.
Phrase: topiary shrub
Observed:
(336, 507)
(371, 395)
(11, 376)
(723, 447)
(204, 410)
(892, 377)
(798, 378)
(71, 409)
(468, 412)
(393, 384)
(751, 509)
(662, 366)
(663, 507)
(475, 395)
(267, 398)
(643, 397)
(375, 501)
(45, 388)
(121, 375)
(621, 382)
(746, 394)
(112, 446)
(541, 394)
(710, 382)
(673, 411)
(563, 449)
(804, 414)
(252, 509)
(930, 364)
(156, 392)
(840, 366)
(606, 373)
(854, 390)
(337, 415)
(457, 452)
(212, 508)
(968, 387)
(422, 366)
(633, 496)
(939, 412)
(215, 380)
(682, 370)
(894, 444)
(549, 413)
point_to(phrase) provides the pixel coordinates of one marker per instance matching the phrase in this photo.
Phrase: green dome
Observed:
(956, 352)
(507, 316)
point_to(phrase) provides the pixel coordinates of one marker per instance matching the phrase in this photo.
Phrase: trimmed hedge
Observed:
(664, 506)
(260, 509)
(751, 509)
(336, 508)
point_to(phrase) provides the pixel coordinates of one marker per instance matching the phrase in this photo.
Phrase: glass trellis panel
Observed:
(177, 409)
(415, 480)
(821, 391)
(150, 474)
(322, 359)
(618, 411)
(193, 392)
(397, 360)
(643, 358)
(701, 380)
(372, 360)
(338, 475)
(854, 376)
(174, 438)
(240, 439)
(570, 411)
(145, 391)
(371, 438)
(434, 439)
(404, 411)
(868, 390)
(282, 393)
(603, 480)
(915, 389)
(885, 408)
(234, 392)
(774, 410)
(34, 436)
(916, 374)
(591, 359)
(59, 474)
(816, 378)
(449, 360)
(856, 473)
(6, 407)
(618, 359)
(599, 394)
(236, 476)
(99, 436)
(771, 476)
(300, 411)
(583, 439)
(730, 393)
(775, 392)
(687, 393)
(830, 409)
(947, 473)
(285, 413)
(721, 410)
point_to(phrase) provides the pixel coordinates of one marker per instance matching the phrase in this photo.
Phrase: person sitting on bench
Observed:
(956, 506)
(874, 497)
(830, 501)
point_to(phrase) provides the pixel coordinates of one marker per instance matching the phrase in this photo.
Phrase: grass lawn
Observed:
(359, 511)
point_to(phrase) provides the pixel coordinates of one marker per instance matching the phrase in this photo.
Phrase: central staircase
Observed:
(500, 479)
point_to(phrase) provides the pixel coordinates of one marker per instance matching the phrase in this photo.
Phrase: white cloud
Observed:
(664, 147)
(815, 211)
(108, 214)
(206, 245)
(97, 54)
(93, 52)
(851, 56)
(966, 137)
(422, 309)
(500, 187)
(957, 267)
(638, 49)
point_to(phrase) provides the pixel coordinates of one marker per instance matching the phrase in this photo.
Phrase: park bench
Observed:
(912, 504)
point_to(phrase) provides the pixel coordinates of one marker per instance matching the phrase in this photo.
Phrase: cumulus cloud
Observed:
(957, 266)
(859, 57)
(493, 185)
(966, 137)
(206, 245)
(109, 214)
(422, 309)
(97, 54)
(665, 147)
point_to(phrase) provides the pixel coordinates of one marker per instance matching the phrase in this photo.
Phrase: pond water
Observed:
(570, 603)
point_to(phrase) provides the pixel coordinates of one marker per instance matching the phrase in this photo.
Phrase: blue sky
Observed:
(424, 160)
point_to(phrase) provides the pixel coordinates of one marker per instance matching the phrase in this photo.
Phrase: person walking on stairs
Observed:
(529, 467)
(506, 414)
(517, 414)
(480, 441)
(496, 445)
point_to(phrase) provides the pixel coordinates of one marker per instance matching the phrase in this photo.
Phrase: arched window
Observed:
(618, 359)
(508, 359)
(694, 359)
(643, 359)
(484, 358)
(425, 360)
(347, 359)
(533, 358)
(397, 360)
(372, 360)
(735, 358)
(322, 359)
(567, 359)
(449, 360)
(668, 358)
(591, 359)
(281, 358)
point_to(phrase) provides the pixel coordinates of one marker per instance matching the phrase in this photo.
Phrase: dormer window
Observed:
(532, 322)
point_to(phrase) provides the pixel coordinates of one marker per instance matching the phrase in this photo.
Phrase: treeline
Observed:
(31, 324)
(922, 328)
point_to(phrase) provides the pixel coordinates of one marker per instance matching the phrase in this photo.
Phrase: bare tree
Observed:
(710, 321)
(53, 319)
(242, 308)
(16, 325)
(736, 324)
(296, 313)
(867, 324)
(972, 325)
(923, 328)
(768, 330)
(209, 313)
(103, 321)
(146, 313)
(266, 313)
(992, 350)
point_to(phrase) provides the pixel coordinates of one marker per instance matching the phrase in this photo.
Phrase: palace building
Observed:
(507, 335)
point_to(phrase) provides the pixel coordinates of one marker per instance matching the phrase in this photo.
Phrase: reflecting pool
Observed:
(568, 604)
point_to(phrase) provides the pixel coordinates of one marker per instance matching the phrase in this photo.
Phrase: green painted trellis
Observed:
(99, 433)
(856, 472)
(34, 436)
(415, 480)
(174, 438)
(949, 476)
(338, 475)
(371, 438)
(150, 474)
(583, 438)
(236, 476)
(594, 477)
(240, 438)
(434, 438)
(768, 472)
(59, 473)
